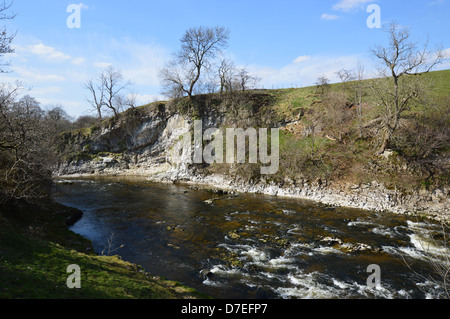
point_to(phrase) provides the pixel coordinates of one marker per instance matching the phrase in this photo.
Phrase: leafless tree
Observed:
(108, 92)
(336, 115)
(199, 47)
(359, 85)
(322, 85)
(346, 76)
(8, 95)
(226, 73)
(96, 96)
(358, 88)
(353, 82)
(245, 81)
(6, 37)
(402, 63)
(24, 151)
(113, 84)
(57, 119)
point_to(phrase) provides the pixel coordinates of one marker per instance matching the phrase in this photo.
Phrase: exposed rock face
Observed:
(143, 143)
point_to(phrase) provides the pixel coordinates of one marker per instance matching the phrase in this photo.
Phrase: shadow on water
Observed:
(250, 246)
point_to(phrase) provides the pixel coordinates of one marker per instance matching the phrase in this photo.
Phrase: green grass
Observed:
(440, 82)
(35, 254)
(287, 100)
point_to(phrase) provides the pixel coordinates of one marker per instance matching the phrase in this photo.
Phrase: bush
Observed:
(426, 133)
(303, 158)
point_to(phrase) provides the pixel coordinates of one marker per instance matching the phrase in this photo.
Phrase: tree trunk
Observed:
(388, 131)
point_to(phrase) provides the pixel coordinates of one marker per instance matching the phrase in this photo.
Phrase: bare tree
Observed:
(6, 37)
(359, 85)
(8, 95)
(226, 73)
(199, 47)
(108, 92)
(245, 80)
(113, 84)
(359, 91)
(23, 135)
(96, 96)
(131, 100)
(322, 85)
(346, 76)
(57, 120)
(24, 151)
(402, 63)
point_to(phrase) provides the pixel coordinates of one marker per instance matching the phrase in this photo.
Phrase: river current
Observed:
(249, 246)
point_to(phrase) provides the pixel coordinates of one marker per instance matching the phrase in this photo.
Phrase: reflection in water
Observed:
(254, 246)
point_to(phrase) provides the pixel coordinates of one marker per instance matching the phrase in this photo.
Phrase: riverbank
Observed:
(372, 196)
(37, 247)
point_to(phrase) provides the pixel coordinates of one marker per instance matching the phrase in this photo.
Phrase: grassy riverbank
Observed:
(36, 248)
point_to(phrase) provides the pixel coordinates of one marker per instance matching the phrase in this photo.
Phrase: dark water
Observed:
(254, 246)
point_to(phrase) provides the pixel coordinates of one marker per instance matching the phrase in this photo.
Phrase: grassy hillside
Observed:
(440, 82)
(289, 101)
(323, 136)
(36, 248)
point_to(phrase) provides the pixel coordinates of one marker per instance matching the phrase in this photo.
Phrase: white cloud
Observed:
(48, 53)
(446, 60)
(31, 75)
(45, 90)
(102, 65)
(446, 53)
(348, 5)
(78, 61)
(327, 16)
(306, 73)
(302, 58)
(142, 62)
(74, 108)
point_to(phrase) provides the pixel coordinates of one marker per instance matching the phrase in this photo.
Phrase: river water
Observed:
(247, 246)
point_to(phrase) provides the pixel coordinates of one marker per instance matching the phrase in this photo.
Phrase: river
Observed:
(250, 246)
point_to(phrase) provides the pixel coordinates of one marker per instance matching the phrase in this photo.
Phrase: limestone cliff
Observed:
(141, 141)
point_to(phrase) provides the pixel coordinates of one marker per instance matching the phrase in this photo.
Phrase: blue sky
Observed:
(286, 43)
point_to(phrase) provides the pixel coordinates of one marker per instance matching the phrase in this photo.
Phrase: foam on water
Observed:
(360, 223)
(316, 285)
(327, 250)
(384, 231)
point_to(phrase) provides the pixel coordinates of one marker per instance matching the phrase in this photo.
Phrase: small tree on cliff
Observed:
(108, 92)
(199, 47)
